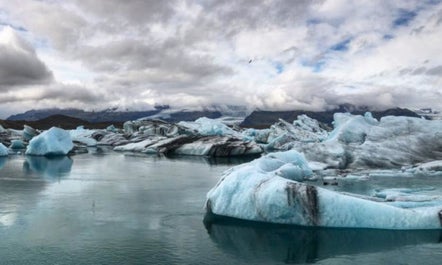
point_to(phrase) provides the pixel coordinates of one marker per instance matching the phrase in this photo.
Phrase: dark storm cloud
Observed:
(437, 71)
(19, 64)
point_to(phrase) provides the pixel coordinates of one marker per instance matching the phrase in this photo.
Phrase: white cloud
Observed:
(305, 54)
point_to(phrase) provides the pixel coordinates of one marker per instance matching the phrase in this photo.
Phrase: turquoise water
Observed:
(109, 208)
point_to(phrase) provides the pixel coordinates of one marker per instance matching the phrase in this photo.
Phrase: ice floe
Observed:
(268, 189)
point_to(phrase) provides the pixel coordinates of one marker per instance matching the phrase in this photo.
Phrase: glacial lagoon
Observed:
(106, 207)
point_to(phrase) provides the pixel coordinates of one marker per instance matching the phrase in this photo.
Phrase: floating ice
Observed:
(83, 136)
(17, 144)
(29, 132)
(282, 135)
(193, 145)
(153, 128)
(267, 190)
(52, 142)
(3, 150)
(219, 146)
(362, 142)
(209, 127)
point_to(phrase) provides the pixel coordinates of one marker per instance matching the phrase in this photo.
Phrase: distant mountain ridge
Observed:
(111, 115)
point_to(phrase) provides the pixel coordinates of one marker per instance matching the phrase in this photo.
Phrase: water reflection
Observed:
(52, 167)
(3, 161)
(294, 245)
(210, 160)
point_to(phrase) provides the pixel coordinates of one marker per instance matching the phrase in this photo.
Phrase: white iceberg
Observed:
(268, 190)
(52, 142)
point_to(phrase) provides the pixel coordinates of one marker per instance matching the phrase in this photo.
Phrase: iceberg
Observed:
(363, 142)
(193, 145)
(3, 150)
(269, 189)
(83, 136)
(104, 137)
(219, 147)
(17, 144)
(29, 132)
(282, 135)
(210, 127)
(153, 128)
(52, 142)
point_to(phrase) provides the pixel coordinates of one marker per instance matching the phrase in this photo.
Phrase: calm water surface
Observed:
(110, 208)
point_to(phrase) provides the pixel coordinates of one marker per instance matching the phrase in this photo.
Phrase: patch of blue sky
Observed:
(313, 21)
(279, 67)
(316, 66)
(404, 17)
(17, 28)
(388, 37)
(341, 46)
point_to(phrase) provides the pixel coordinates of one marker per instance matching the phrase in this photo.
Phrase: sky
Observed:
(266, 54)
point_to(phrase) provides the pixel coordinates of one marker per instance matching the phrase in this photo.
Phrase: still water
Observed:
(110, 208)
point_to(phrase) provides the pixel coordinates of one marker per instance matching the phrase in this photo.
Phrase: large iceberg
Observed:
(193, 145)
(363, 142)
(282, 135)
(268, 189)
(52, 142)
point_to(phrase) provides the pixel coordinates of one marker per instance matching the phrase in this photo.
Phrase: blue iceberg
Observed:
(269, 189)
(52, 142)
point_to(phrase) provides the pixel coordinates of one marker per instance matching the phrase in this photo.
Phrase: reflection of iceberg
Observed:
(3, 161)
(273, 244)
(49, 166)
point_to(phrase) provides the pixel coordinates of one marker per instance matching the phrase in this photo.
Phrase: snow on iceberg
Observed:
(52, 142)
(268, 190)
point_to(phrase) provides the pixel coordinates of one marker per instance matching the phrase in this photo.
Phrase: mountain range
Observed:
(70, 118)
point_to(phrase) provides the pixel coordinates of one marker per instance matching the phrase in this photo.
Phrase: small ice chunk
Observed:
(17, 144)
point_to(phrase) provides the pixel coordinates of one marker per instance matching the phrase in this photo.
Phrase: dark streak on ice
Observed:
(307, 196)
(440, 217)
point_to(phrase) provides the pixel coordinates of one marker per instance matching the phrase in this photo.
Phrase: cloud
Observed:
(19, 64)
(268, 54)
